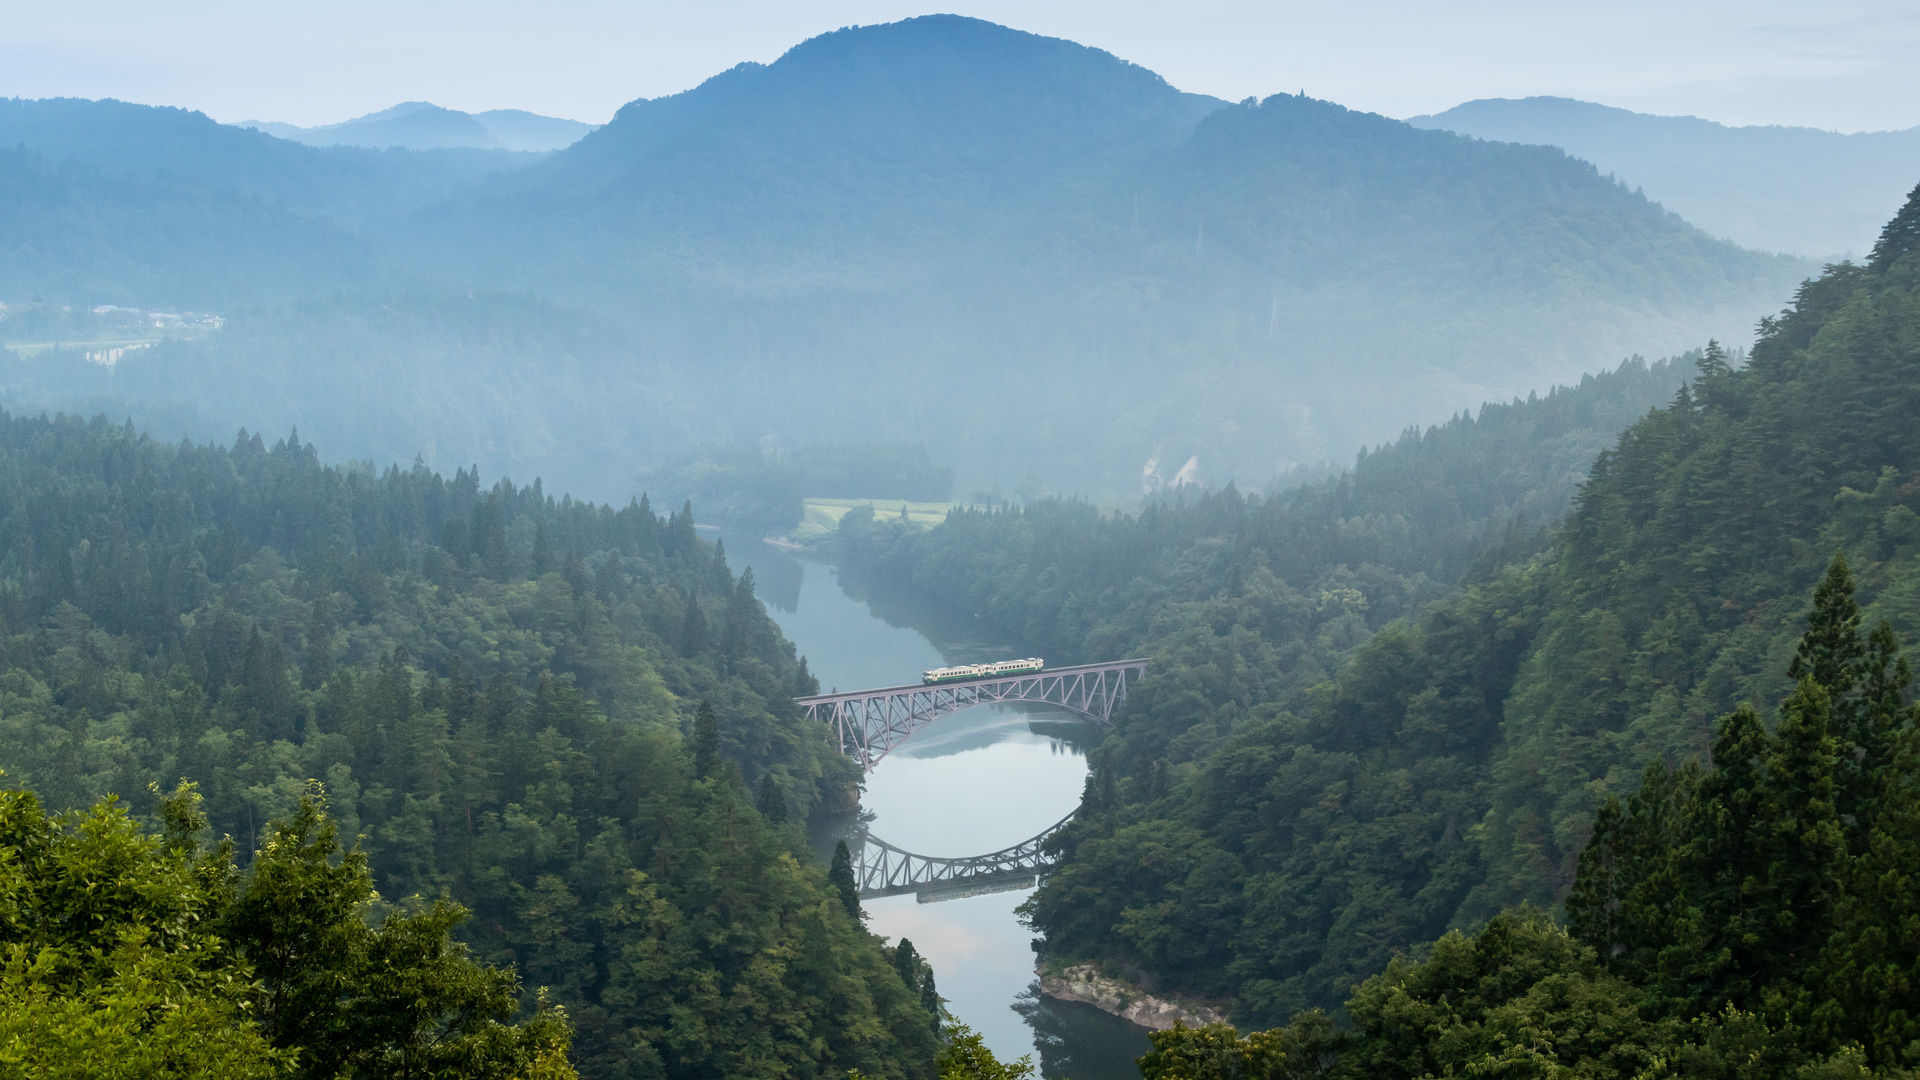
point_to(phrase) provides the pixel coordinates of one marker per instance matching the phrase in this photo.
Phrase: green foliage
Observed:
(1727, 921)
(1283, 808)
(1218, 844)
(130, 954)
(964, 1056)
(495, 688)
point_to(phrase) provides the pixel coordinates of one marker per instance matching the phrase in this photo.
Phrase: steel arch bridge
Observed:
(881, 869)
(869, 723)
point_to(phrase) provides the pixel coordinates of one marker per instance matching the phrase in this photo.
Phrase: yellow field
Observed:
(823, 515)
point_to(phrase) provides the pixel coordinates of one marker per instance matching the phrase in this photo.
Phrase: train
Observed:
(960, 672)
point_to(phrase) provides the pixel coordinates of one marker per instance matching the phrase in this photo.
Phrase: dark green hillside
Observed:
(1745, 917)
(1264, 836)
(555, 713)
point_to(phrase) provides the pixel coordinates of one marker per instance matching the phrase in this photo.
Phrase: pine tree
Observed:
(1831, 651)
(769, 801)
(840, 875)
(706, 741)
(906, 963)
(1901, 236)
(930, 999)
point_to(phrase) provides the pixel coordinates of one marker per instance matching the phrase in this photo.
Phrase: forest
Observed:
(571, 722)
(1746, 916)
(1345, 759)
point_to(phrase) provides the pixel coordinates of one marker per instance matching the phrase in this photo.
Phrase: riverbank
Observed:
(1085, 984)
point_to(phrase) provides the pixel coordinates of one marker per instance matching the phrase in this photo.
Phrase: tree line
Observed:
(1337, 763)
(570, 720)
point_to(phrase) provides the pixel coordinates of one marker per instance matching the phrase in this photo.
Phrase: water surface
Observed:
(975, 782)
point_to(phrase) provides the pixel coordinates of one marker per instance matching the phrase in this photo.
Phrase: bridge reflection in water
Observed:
(868, 723)
(881, 869)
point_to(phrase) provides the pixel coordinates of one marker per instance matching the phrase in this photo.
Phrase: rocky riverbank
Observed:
(1085, 984)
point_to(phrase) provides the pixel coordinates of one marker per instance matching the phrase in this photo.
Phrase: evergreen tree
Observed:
(1901, 237)
(706, 741)
(768, 800)
(840, 876)
(906, 964)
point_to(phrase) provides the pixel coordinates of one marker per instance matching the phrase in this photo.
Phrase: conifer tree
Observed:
(906, 963)
(768, 800)
(840, 876)
(706, 741)
(1900, 237)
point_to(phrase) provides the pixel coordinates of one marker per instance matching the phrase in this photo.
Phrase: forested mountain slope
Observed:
(574, 720)
(86, 236)
(1331, 561)
(887, 213)
(1048, 257)
(1266, 838)
(1811, 192)
(346, 185)
(112, 203)
(1747, 917)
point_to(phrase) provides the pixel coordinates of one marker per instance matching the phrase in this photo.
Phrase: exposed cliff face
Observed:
(1085, 984)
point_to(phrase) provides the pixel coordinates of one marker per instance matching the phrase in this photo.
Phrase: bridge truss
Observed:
(881, 869)
(869, 723)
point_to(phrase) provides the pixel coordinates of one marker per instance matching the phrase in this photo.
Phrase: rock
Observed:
(1085, 984)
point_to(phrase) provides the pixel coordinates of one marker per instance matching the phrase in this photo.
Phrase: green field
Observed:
(823, 515)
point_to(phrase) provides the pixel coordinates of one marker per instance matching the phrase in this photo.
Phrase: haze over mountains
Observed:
(1028, 254)
(422, 125)
(1801, 190)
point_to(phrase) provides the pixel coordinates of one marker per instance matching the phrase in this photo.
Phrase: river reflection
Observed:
(977, 781)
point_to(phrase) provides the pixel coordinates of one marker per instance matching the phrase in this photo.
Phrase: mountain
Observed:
(422, 125)
(1802, 190)
(1265, 826)
(517, 129)
(887, 214)
(159, 207)
(349, 186)
(1024, 252)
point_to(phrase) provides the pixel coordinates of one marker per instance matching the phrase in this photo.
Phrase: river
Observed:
(977, 781)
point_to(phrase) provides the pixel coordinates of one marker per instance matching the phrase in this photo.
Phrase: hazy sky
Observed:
(1842, 64)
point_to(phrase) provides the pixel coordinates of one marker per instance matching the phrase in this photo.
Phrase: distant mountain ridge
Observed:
(888, 211)
(422, 125)
(1027, 252)
(1793, 189)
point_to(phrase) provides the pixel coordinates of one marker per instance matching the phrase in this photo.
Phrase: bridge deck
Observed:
(882, 691)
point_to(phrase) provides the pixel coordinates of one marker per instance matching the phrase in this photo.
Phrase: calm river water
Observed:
(975, 782)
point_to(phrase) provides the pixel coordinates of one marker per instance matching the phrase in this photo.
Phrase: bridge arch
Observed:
(869, 723)
(883, 869)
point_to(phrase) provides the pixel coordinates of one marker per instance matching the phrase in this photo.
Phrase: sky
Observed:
(1844, 65)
